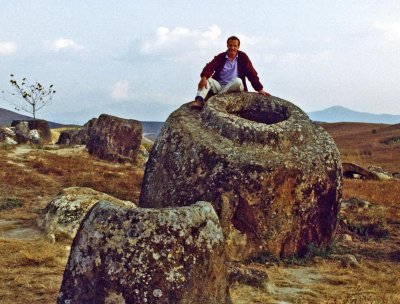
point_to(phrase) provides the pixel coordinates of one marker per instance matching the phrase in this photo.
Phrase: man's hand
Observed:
(202, 83)
(262, 92)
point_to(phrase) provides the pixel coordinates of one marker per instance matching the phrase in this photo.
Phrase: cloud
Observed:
(179, 43)
(182, 44)
(7, 48)
(65, 44)
(195, 46)
(120, 90)
(131, 92)
(391, 31)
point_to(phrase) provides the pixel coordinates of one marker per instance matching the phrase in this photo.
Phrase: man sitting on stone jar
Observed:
(226, 73)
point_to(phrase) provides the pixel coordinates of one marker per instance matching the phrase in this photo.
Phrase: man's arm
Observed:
(252, 75)
(209, 70)
(262, 92)
(202, 83)
(210, 67)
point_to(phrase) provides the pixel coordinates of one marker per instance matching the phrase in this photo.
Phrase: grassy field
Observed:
(31, 268)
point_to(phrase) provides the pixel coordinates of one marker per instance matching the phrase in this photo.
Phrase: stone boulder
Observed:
(24, 130)
(272, 175)
(62, 216)
(247, 275)
(7, 136)
(380, 172)
(76, 136)
(354, 204)
(136, 255)
(354, 171)
(115, 139)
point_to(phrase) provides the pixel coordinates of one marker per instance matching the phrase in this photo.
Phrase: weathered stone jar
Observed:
(273, 176)
(122, 254)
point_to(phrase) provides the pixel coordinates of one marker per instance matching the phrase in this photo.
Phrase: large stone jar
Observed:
(122, 254)
(273, 176)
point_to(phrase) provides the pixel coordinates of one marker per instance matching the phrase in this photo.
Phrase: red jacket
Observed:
(245, 69)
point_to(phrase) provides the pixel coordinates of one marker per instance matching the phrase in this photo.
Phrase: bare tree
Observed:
(34, 96)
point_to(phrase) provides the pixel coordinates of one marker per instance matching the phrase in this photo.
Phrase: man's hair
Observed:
(233, 38)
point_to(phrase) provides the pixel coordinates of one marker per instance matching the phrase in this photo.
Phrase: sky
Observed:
(142, 59)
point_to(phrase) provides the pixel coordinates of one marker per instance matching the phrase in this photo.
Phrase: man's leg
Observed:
(212, 85)
(235, 85)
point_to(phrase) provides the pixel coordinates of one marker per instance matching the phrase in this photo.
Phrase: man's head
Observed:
(233, 44)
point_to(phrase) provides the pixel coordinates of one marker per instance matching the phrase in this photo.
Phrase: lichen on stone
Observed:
(148, 260)
(281, 171)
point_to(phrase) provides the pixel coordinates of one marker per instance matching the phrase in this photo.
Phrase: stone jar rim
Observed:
(254, 118)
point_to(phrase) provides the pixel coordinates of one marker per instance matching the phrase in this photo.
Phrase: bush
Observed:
(10, 203)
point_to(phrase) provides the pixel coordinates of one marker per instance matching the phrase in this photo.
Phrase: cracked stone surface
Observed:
(273, 176)
(135, 255)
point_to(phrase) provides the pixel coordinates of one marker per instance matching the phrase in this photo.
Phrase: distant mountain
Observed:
(7, 117)
(151, 129)
(342, 114)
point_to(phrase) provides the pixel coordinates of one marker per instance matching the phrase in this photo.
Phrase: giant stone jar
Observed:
(273, 176)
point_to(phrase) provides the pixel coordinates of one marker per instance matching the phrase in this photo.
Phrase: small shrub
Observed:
(10, 203)
(294, 260)
(264, 258)
(366, 152)
(314, 250)
(368, 230)
(368, 223)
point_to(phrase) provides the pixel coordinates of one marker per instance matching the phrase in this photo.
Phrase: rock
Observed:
(6, 132)
(77, 136)
(115, 139)
(7, 136)
(34, 136)
(347, 260)
(380, 172)
(272, 175)
(394, 140)
(67, 138)
(9, 141)
(354, 203)
(396, 175)
(344, 238)
(378, 169)
(62, 216)
(23, 127)
(383, 176)
(137, 255)
(354, 171)
(247, 275)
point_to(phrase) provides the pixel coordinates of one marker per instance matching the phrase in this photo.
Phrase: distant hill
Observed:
(342, 114)
(367, 144)
(7, 117)
(151, 129)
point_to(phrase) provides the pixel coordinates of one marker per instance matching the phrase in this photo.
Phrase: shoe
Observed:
(198, 103)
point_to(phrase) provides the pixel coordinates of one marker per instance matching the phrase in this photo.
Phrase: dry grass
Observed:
(81, 170)
(386, 193)
(30, 271)
(364, 144)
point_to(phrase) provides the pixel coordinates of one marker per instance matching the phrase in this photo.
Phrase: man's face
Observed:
(233, 46)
